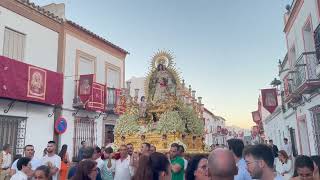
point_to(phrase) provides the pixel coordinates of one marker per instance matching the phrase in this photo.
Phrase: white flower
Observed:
(170, 122)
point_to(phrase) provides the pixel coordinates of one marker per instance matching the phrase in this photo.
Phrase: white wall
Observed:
(41, 49)
(67, 137)
(39, 129)
(294, 36)
(41, 43)
(72, 45)
(137, 83)
(304, 110)
(209, 125)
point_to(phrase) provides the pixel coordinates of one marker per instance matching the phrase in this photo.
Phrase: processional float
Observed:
(168, 113)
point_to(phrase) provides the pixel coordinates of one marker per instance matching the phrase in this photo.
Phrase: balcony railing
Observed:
(304, 71)
(111, 99)
(317, 41)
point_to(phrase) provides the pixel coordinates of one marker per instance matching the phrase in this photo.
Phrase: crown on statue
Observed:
(162, 61)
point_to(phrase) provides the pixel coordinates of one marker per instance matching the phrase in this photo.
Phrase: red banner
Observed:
(259, 107)
(269, 99)
(85, 87)
(21, 81)
(256, 116)
(120, 103)
(97, 98)
(118, 94)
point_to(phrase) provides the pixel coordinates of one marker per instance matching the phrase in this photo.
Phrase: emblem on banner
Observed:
(36, 83)
(97, 101)
(256, 116)
(269, 99)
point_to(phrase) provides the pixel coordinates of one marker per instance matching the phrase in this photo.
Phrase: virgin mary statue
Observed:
(161, 84)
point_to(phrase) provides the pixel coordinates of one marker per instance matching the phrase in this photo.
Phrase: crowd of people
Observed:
(233, 161)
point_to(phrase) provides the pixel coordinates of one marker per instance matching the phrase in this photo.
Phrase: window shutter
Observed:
(14, 43)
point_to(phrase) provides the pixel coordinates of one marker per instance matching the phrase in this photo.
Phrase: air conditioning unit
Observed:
(77, 103)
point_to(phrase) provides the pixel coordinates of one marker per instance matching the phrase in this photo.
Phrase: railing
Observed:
(304, 70)
(317, 41)
(111, 98)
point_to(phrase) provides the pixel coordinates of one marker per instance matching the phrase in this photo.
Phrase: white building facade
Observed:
(23, 28)
(298, 116)
(214, 126)
(37, 37)
(87, 53)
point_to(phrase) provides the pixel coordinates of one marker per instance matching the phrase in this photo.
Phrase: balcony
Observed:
(303, 77)
(317, 41)
(111, 100)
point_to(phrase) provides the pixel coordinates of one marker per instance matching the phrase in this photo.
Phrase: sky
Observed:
(227, 50)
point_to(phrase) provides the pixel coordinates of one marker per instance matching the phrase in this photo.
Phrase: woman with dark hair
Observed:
(64, 161)
(197, 168)
(303, 168)
(284, 165)
(42, 173)
(109, 164)
(156, 166)
(86, 170)
(316, 164)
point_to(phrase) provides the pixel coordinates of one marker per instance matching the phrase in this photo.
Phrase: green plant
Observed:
(127, 124)
(170, 122)
(193, 124)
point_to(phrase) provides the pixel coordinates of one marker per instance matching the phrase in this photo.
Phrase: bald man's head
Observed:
(222, 164)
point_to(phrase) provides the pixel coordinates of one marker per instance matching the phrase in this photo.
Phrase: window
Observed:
(316, 129)
(292, 55)
(113, 77)
(85, 129)
(12, 131)
(111, 98)
(14, 44)
(86, 64)
(293, 141)
(109, 135)
(307, 33)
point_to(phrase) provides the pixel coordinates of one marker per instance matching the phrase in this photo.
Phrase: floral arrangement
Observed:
(127, 124)
(207, 148)
(170, 122)
(194, 125)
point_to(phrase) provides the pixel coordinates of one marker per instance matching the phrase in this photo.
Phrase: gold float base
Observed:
(194, 144)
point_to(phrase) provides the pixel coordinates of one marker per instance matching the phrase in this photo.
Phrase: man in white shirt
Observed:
(237, 146)
(287, 147)
(130, 149)
(5, 162)
(52, 160)
(29, 153)
(24, 169)
(123, 170)
(97, 158)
